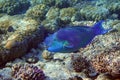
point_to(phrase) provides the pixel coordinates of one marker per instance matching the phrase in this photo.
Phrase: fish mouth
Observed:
(51, 49)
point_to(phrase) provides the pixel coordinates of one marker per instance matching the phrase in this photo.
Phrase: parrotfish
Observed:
(72, 38)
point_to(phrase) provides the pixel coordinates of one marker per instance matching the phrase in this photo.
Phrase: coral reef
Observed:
(52, 21)
(75, 78)
(94, 12)
(21, 34)
(104, 51)
(27, 72)
(51, 25)
(108, 61)
(37, 12)
(32, 59)
(77, 63)
(69, 14)
(57, 3)
(62, 3)
(104, 59)
(48, 2)
(5, 74)
(24, 35)
(53, 13)
(113, 6)
(47, 55)
(115, 24)
(104, 77)
(13, 7)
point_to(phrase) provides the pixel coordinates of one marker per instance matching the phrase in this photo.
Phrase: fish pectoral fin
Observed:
(68, 46)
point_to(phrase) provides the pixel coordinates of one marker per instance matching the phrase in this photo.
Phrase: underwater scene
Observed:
(59, 39)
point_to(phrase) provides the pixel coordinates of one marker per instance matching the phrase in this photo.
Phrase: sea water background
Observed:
(23, 55)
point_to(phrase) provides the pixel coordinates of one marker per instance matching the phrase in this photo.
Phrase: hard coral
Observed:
(37, 12)
(53, 13)
(94, 12)
(113, 6)
(52, 21)
(27, 72)
(104, 51)
(79, 63)
(68, 14)
(108, 61)
(57, 3)
(13, 7)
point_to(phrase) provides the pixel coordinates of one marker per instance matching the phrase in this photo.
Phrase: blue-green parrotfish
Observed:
(71, 38)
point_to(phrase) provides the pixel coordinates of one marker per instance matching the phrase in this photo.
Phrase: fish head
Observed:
(53, 44)
(56, 46)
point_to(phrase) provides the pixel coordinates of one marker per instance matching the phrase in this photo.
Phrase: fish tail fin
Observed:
(98, 28)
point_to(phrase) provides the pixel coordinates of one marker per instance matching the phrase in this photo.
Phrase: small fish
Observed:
(70, 39)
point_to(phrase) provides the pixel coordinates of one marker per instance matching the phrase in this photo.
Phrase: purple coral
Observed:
(38, 73)
(27, 72)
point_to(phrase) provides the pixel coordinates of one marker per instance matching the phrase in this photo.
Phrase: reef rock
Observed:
(17, 36)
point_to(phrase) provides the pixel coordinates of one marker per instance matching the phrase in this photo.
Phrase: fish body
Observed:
(70, 39)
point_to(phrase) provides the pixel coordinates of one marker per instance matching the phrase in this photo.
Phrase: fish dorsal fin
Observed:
(79, 28)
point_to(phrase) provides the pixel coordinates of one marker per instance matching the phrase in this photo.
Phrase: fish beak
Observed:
(50, 49)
